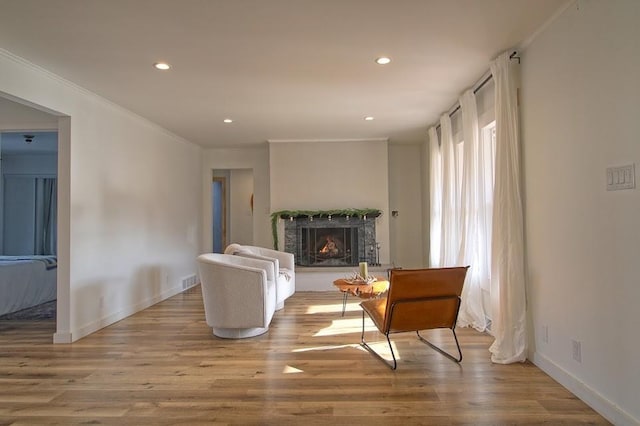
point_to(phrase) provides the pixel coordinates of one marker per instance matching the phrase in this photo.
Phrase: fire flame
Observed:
(330, 247)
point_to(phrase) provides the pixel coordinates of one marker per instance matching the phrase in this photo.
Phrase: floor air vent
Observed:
(189, 281)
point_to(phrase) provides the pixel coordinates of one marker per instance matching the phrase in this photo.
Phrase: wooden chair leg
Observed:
(364, 344)
(448, 355)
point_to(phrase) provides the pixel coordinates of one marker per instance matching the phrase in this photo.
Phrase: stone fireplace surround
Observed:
(360, 231)
(321, 278)
(359, 223)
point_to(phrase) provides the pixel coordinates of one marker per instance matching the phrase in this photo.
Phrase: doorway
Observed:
(28, 224)
(231, 207)
(219, 209)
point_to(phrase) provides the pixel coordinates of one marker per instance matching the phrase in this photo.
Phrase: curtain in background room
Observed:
(46, 208)
(449, 242)
(508, 303)
(475, 231)
(435, 197)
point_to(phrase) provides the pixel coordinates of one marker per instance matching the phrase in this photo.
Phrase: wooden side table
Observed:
(363, 291)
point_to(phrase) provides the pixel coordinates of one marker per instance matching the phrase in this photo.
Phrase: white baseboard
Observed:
(107, 320)
(62, 338)
(591, 397)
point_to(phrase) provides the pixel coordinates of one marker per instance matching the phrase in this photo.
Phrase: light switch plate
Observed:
(623, 177)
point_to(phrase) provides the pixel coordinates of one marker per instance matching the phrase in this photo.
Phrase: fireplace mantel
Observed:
(291, 215)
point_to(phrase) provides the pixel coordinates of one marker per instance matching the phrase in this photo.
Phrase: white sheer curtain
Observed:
(475, 235)
(435, 197)
(450, 244)
(508, 304)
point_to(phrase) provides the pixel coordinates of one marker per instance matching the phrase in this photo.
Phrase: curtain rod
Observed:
(483, 81)
(475, 91)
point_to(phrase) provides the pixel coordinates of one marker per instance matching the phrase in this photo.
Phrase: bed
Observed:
(26, 281)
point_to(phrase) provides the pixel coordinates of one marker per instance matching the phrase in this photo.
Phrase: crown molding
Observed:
(327, 140)
(83, 91)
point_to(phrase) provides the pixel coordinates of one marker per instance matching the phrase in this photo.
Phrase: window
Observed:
(488, 153)
(459, 155)
(488, 141)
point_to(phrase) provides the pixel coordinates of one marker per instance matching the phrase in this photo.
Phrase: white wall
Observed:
(580, 95)
(241, 228)
(366, 189)
(19, 214)
(129, 203)
(14, 116)
(332, 175)
(33, 164)
(254, 159)
(405, 196)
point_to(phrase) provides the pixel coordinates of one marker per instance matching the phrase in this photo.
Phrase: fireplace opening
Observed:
(328, 246)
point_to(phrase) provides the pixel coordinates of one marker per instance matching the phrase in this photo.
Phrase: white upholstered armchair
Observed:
(239, 294)
(284, 267)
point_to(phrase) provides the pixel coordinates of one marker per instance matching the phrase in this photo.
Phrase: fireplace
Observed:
(335, 246)
(331, 241)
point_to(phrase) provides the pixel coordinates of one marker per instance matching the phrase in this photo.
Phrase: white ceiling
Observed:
(282, 69)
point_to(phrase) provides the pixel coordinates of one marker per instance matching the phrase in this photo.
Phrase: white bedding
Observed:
(25, 282)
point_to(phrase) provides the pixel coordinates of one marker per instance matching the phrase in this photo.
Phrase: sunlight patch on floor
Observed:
(344, 326)
(325, 348)
(382, 348)
(324, 309)
(291, 370)
(352, 307)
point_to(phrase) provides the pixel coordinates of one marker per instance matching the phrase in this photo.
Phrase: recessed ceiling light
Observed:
(383, 60)
(368, 118)
(162, 66)
(227, 120)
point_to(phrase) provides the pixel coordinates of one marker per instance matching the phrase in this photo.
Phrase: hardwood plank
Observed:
(163, 366)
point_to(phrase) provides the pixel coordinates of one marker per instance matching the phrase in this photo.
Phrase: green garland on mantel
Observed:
(286, 214)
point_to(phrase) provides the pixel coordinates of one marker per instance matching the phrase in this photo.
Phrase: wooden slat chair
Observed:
(417, 299)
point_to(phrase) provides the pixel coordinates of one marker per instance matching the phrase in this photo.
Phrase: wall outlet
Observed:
(623, 177)
(576, 350)
(545, 333)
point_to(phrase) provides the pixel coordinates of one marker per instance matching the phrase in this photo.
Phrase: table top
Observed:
(362, 290)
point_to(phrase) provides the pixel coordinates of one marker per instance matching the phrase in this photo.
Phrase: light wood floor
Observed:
(163, 366)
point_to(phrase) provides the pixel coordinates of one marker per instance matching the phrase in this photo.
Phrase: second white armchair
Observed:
(283, 263)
